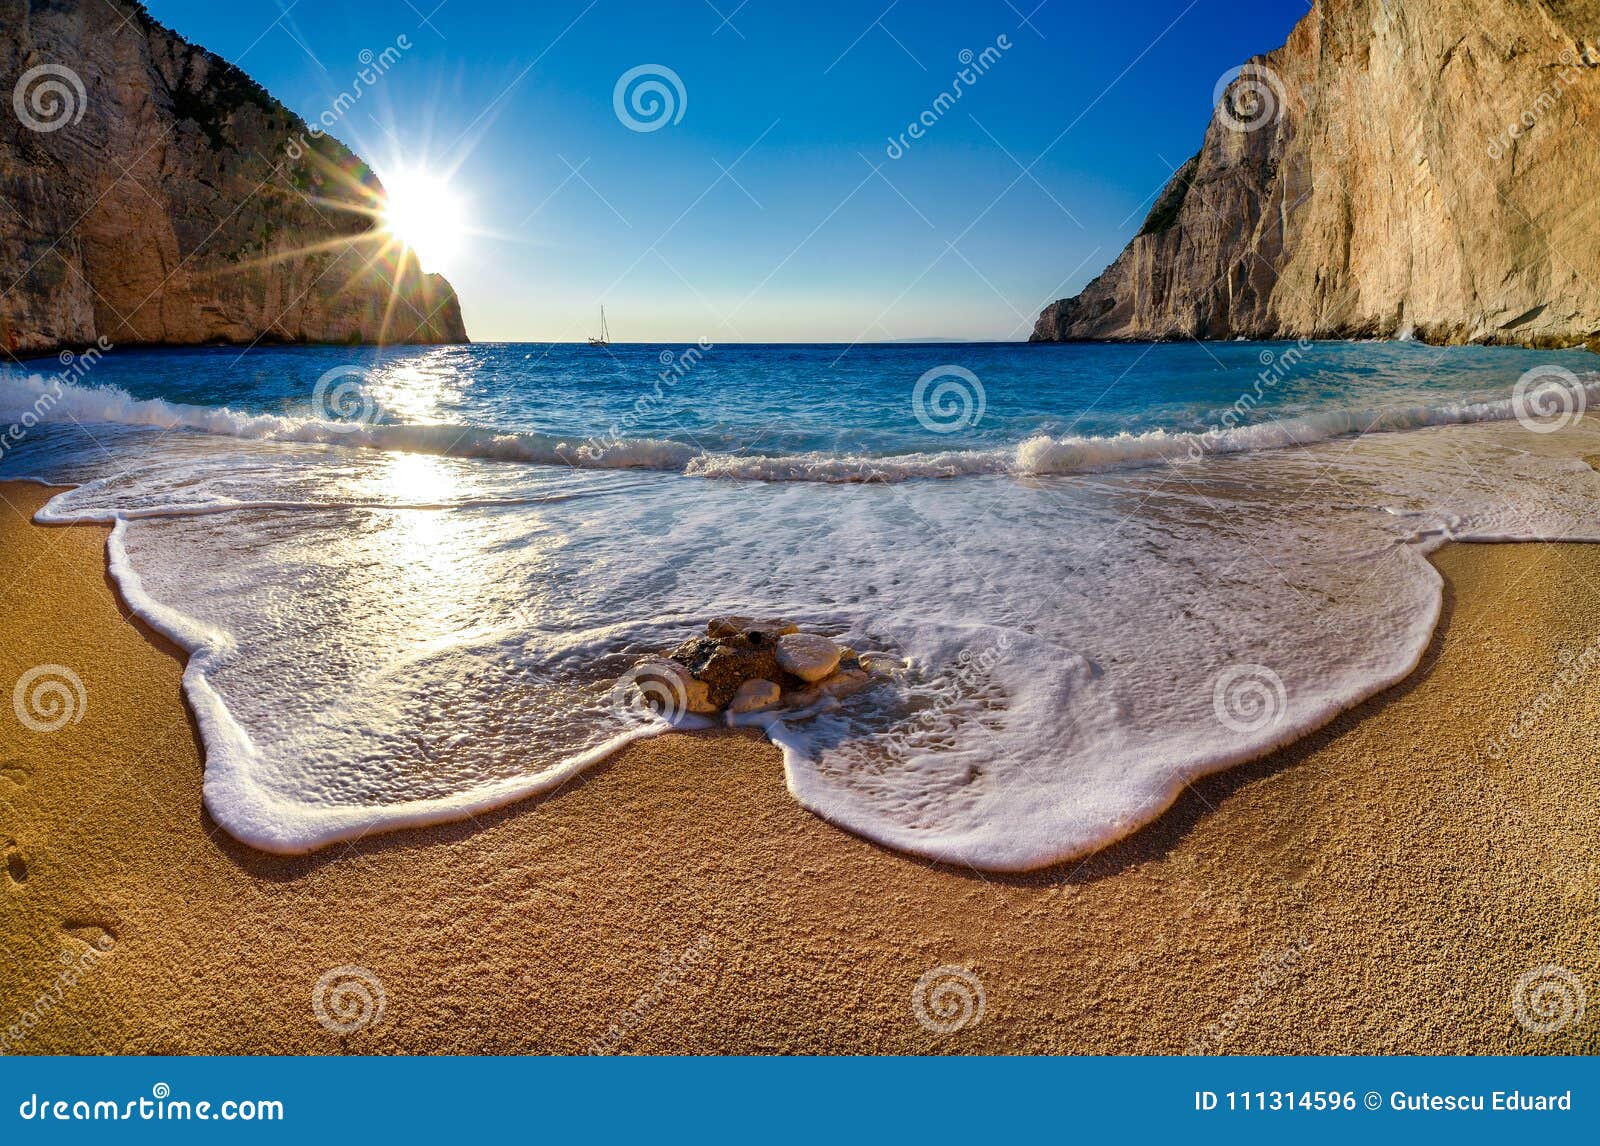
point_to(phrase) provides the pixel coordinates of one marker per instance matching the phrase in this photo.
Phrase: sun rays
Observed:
(395, 232)
(425, 215)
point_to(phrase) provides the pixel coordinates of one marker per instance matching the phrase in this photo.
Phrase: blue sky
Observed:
(756, 215)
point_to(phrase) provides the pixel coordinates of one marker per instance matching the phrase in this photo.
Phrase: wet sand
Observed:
(1379, 887)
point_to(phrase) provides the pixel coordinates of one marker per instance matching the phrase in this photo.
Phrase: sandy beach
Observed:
(1378, 887)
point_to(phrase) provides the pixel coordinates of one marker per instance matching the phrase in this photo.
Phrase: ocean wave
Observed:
(349, 677)
(32, 400)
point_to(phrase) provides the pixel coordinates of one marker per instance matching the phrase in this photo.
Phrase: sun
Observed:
(425, 215)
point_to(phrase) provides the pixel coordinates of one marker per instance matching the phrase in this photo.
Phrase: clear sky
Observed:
(765, 207)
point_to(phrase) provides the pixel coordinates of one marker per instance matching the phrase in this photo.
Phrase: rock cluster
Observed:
(752, 664)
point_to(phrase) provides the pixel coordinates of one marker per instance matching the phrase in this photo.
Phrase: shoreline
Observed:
(25, 357)
(1379, 885)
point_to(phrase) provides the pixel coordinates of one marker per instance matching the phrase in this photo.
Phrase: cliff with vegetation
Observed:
(1426, 168)
(151, 192)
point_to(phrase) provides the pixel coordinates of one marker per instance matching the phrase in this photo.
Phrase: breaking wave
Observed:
(33, 400)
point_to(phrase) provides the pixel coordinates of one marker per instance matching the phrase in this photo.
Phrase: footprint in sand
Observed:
(15, 771)
(96, 933)
(16, 866)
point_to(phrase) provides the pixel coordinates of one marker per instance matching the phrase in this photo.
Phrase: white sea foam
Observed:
(50, 401)
(380, 640)
(1037, 455)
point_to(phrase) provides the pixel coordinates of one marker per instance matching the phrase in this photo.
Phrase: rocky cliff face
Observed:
(1399, 167)
(154, 193)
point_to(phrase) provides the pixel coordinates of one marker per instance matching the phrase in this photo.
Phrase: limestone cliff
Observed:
(1426, 167)
(153, 193)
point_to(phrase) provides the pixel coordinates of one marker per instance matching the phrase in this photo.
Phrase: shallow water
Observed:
(411, 584)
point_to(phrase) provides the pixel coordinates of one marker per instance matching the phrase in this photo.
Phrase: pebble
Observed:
(808, 656)
(754, 695)
(668, 685)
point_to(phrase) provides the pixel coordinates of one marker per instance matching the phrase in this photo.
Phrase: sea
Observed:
(413, 583)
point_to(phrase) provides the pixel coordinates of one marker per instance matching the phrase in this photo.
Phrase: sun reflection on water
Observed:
(418, 479)
(418, 389)
(427, 580)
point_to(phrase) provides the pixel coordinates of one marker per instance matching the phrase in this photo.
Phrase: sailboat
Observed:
(605, 335)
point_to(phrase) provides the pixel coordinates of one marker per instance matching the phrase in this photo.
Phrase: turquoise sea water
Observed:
(413, 583)
(777, 400)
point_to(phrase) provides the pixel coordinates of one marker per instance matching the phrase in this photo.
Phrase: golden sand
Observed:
(1379, 887)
